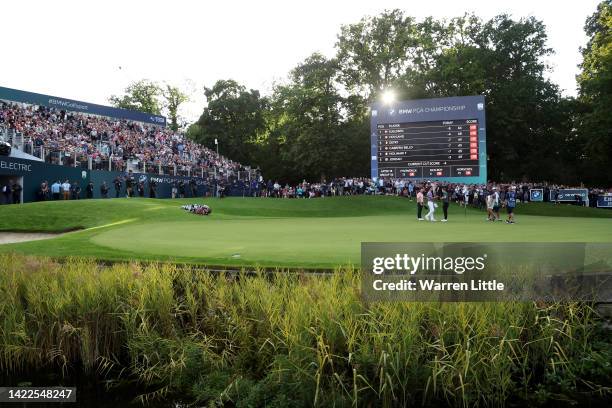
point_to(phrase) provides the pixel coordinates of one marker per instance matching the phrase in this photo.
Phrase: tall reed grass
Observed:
(290, 339)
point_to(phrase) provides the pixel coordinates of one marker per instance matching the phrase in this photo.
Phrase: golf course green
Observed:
(276, 232)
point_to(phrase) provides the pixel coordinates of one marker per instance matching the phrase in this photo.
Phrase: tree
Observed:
(502, 59)
(376, 51)
(316, 125)
(523, 125)
(173, 99)
(594, 122)
(308, 119)
(234, 116)
(143, 96)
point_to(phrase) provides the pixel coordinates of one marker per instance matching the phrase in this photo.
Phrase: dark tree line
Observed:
(316, 124)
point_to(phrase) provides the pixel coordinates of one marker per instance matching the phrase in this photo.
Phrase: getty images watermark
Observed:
(453, 272)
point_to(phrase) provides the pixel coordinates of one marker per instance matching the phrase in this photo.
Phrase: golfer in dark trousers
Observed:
(445, 201)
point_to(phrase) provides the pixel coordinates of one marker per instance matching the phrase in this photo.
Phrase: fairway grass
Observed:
(318, 233)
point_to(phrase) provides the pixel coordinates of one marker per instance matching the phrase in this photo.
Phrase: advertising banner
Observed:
(569, 194)
(536, 194)
(604, 201)
(15, 95)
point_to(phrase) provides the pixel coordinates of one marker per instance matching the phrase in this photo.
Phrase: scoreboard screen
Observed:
(434, 139)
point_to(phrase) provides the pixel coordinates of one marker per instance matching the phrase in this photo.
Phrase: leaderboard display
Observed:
(441, 139)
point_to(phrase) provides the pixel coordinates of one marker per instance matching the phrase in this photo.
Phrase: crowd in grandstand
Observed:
(102, 138)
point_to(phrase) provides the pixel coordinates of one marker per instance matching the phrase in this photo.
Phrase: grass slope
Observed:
(268, 232)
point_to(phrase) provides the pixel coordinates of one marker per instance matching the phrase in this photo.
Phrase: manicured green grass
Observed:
(277, 233)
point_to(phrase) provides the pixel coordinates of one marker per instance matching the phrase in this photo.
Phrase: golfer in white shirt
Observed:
(431, 206)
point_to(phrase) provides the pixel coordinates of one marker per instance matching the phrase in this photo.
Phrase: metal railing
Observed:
(85, 161)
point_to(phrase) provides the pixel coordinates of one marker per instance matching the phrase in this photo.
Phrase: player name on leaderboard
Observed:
(446, 148)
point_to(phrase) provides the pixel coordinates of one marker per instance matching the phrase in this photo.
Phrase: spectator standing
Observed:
(55, 190)
(66, 190)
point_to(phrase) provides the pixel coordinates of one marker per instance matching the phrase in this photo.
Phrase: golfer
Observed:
(496, 204)
(419, 198)
(445, 202)
(431, 206)
(490, 215)
(466, 195)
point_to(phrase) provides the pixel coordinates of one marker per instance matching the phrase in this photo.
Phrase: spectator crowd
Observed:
(472, 194)
(102, 138)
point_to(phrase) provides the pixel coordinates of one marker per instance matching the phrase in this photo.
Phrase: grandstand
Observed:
(71, 134)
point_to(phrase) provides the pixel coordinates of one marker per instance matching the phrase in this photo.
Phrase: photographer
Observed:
(193, 186)
(75, 191)
(129, 185)
(141, 185)
(6, 192)
(89, 190)
(181, 189)
(43, 192)
(104, 190)
(152, 188)
(16, 189)
(117, 183)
